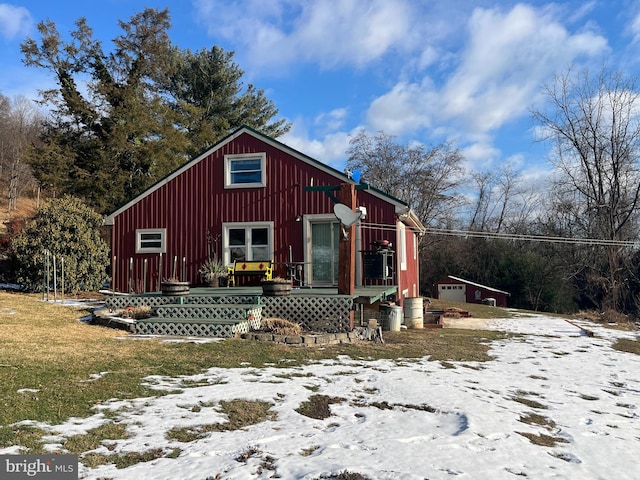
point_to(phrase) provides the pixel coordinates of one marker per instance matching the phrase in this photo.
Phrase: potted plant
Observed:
(174, 287)
(277, 286)
(212, 271)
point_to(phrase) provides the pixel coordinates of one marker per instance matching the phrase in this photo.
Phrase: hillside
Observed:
(26, 209)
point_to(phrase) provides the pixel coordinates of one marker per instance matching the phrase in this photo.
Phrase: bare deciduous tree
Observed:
(425, 178)
(18, 129)
(502, 202)
(593, 125)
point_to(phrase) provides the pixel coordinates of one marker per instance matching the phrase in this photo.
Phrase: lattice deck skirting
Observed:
(115, 302)
(320, 313)
(191, 327)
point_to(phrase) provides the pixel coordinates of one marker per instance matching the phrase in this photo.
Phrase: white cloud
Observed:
(452, 71)
(582, 11)
(635, 28)
(406, 108)
(506, 58)
(326, 32)
(332, 121)
(329, 148)
(14, 21)
(536, 178)
(480, 155)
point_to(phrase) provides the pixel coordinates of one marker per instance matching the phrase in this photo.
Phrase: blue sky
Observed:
(426, 71)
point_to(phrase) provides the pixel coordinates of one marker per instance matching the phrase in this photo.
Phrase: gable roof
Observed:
(400, 206)
(468, 282)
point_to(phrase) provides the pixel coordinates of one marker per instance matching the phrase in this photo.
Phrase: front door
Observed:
(325, 236)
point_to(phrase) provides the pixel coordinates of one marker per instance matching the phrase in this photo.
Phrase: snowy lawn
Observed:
(552, 404)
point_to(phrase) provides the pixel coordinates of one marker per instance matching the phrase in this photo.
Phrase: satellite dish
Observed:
(346, 216)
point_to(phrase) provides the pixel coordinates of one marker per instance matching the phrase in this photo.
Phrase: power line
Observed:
(513, 236)
(534, 238)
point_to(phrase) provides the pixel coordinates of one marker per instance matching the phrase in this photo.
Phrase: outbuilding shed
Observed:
(455, 289)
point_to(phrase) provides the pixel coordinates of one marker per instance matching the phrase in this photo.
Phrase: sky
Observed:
(407, 419)
(430, 71)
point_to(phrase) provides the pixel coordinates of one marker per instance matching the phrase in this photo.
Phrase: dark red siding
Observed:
(471, 289)
(195, 201)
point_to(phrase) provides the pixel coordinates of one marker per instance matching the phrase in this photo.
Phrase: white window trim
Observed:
(308, 220)
(146, 231)
(228, 159)
(226, 255)
(402, 246)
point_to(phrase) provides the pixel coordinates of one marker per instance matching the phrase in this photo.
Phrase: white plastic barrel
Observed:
(414, 312)
(395, 318)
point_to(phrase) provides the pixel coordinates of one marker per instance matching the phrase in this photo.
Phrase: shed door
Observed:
(452, 293)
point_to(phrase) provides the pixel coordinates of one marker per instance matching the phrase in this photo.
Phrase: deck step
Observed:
(211, 312)
(192, 327)
(155, 300)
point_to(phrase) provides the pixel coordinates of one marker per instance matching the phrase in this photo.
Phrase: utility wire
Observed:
(511, 236)
(535, 238)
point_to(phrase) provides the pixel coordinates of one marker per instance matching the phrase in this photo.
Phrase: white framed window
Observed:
(247, 170)
(247, 241)
(151, 240)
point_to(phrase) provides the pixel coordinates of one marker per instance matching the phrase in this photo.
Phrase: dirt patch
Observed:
(465, 323)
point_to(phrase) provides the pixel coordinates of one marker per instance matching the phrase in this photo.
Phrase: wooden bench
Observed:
(263, 268)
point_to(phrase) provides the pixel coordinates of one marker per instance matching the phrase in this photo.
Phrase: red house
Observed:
(251, 197)
(456, 289)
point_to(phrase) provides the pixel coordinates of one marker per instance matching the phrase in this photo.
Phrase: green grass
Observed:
(45, 349)
(124, 460)
(240, 414)
(542, 439)
(317, 406)
(476, 310)
(627, 345)
(537, 419)
(521, 397)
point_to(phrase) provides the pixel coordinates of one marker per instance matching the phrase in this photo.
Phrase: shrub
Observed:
(280, 326)
(70, 230)
(608, 317)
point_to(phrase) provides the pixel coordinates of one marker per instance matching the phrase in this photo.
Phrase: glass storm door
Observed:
(324, 253)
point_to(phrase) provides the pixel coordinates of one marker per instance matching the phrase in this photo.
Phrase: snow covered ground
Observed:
(405, 419)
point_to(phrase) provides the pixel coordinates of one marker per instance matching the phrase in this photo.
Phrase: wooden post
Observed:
(144, 276)
(55, 280)
(347, 247)
(62, 279)
(114, 269)
(131, 289)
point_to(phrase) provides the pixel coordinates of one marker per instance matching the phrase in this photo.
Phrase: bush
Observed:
(608, 317)
(70, 230)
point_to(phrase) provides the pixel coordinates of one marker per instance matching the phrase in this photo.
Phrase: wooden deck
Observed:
(365, 295)
(207, 311)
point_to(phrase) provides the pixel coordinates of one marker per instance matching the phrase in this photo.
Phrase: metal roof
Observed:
(401, 207)
(458, 279)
